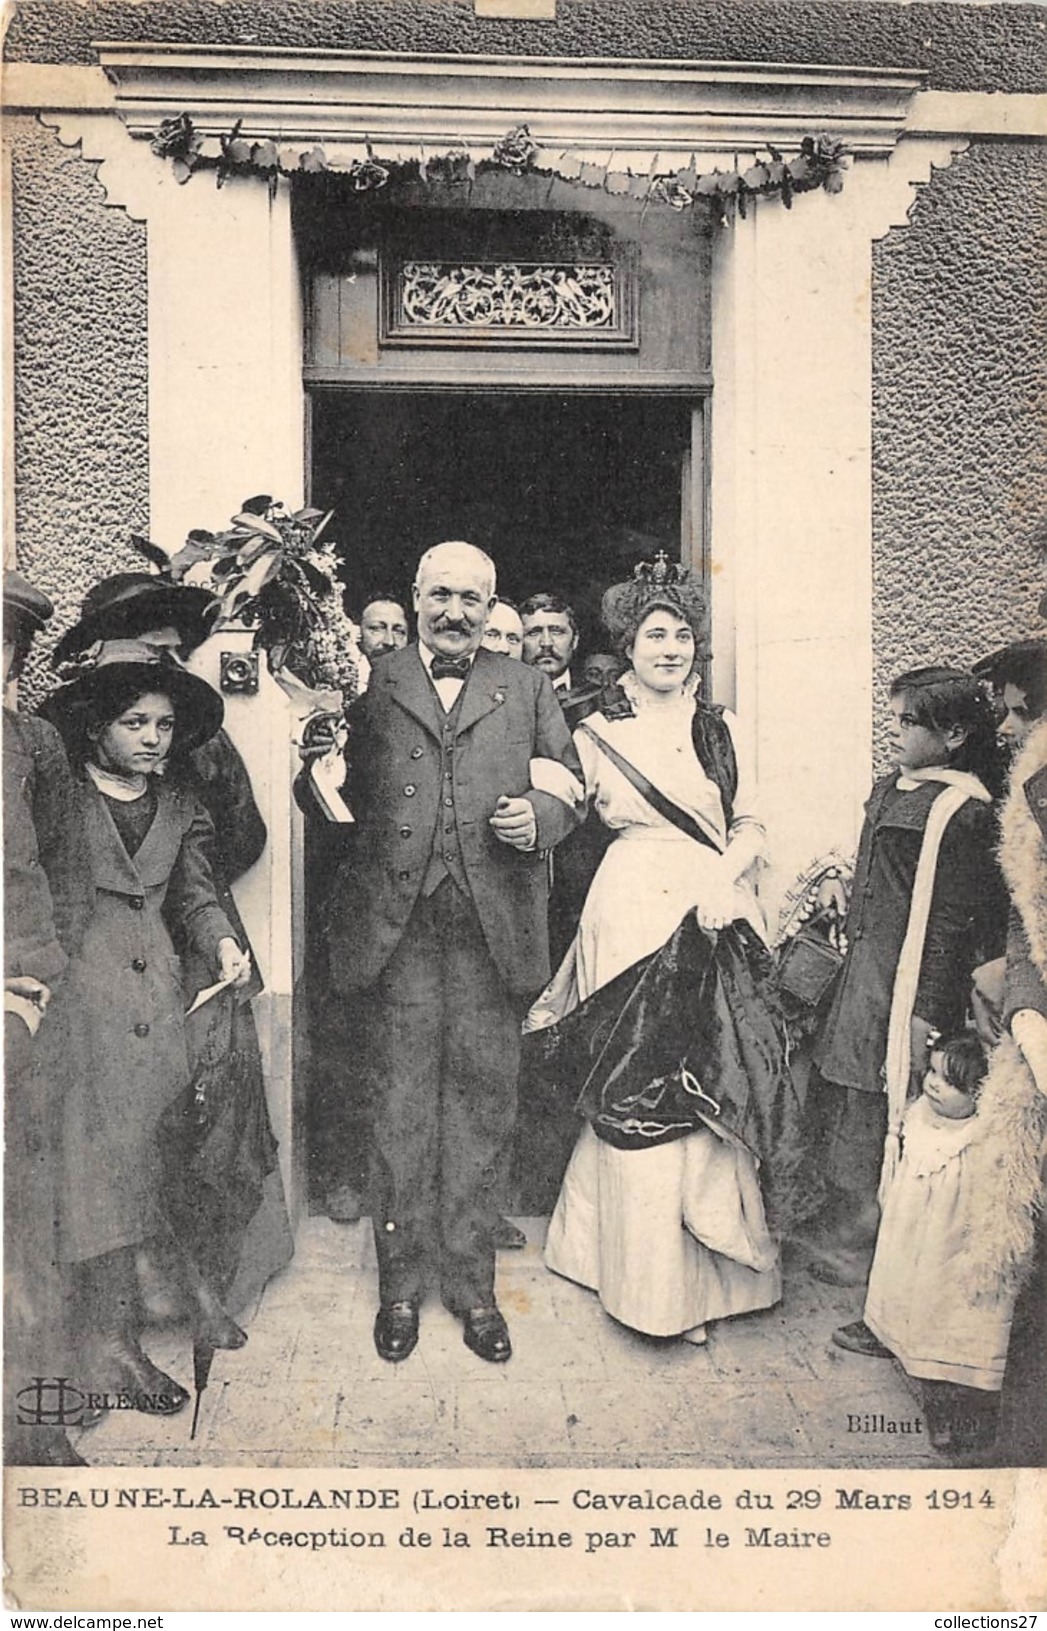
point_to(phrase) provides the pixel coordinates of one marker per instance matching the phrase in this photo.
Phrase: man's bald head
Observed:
(453, 593)
(458, 554)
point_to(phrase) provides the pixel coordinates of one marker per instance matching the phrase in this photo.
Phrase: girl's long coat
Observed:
(127, 980)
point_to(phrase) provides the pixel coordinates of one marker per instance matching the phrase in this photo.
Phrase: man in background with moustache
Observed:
(383, 627)
(440, 917)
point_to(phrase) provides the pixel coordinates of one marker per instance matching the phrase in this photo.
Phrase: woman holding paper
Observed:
(148, 842)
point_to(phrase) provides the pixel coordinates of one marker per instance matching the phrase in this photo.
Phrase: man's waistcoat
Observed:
(413, 773)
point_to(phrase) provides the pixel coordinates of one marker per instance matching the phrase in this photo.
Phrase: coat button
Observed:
(136, 903)
(449, 803)
(448, 856)
(410, 790)
(390, 1227)
(405, 832)
(141, 1030)
(404, 877)
(138, 964)
(416, 753)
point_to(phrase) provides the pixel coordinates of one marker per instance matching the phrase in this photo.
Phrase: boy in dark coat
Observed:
(914, 934)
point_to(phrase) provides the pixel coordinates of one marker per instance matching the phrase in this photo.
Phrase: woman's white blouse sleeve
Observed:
(590, 756)
(748, 819)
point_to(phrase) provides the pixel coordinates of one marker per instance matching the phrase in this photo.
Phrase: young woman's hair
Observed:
(963, 1062)
(627, 605)
(113, 692)
(1022, 664)
(946, 699)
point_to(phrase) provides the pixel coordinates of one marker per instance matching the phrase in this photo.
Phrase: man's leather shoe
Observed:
(396, 1331)
(858, 1339)
(487, 1334)
(506, 1237)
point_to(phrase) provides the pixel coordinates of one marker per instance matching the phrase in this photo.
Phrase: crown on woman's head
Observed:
(661, 572)
(658, 582)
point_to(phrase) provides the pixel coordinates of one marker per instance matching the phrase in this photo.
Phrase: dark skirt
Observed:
(689, 1037)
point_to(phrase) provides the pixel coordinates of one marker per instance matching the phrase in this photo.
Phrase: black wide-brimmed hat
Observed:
(1016, 662)
(22, 602)
(113, 671)
(129, 604)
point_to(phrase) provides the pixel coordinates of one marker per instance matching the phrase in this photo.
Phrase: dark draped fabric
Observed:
(689, 1037)
(219, 1146)
(224, 1196)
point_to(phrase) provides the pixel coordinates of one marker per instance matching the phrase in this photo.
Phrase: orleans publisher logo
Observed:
(50, 1401)
(57, 1401)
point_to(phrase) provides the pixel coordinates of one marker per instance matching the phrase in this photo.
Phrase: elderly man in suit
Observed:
(440, 916)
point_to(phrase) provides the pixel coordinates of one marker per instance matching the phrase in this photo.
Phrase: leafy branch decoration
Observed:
(272, 573)
(820, 164)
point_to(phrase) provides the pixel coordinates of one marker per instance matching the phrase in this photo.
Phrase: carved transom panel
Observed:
(509, 303)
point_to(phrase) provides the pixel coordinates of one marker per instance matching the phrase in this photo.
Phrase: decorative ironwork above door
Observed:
(509, 303)
(429, 292)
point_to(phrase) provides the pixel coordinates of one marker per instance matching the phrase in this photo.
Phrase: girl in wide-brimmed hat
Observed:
(148, 840)
(232, 1214)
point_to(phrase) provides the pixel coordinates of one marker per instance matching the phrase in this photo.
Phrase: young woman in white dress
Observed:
(674, 1234)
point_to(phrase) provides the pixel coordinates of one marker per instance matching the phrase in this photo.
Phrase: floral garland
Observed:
(820, 163)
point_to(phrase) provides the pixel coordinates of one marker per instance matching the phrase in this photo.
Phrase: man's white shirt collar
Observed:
(446, 689)
(562, 681)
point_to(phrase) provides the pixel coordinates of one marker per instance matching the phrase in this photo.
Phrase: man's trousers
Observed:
(445, 1035)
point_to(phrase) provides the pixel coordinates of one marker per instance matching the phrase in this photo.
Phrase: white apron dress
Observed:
(674, 1235)
(915, 1303)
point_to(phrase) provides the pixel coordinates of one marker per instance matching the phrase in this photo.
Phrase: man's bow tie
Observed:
(450, 668)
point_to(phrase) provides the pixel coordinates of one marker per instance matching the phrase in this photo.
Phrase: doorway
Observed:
(566, 492)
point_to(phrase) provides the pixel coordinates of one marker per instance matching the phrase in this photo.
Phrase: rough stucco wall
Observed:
(959, 435)
(81, 375)
(964, 47)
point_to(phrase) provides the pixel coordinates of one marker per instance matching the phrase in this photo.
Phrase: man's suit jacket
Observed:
(508, 715)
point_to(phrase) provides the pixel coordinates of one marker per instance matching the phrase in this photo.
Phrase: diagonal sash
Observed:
(897, 1065)
(658, 800)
